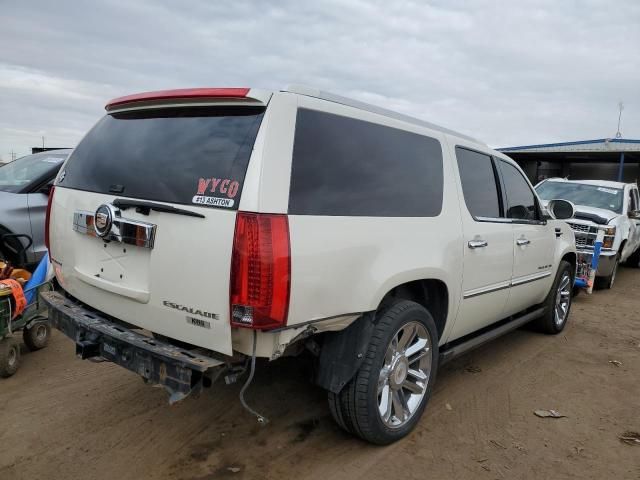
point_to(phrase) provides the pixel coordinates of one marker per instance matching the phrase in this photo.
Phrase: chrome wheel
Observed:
(405, 374)
(563, 299)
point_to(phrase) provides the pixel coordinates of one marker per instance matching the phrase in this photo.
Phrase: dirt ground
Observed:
(62, 418)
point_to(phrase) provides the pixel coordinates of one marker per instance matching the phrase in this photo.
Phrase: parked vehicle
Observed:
(248, 224)
(24, 189)
(601, 202)
(21, 309)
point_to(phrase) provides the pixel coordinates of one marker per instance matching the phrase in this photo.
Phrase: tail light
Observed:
(47, 242)
(260, 271)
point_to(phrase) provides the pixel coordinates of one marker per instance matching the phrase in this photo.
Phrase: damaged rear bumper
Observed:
(180, 371)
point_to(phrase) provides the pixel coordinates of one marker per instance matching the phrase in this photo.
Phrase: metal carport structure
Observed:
(599, 159)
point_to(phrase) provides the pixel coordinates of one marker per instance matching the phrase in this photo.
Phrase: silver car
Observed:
(24, 189)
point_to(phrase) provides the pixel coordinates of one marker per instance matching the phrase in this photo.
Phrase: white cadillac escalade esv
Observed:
(192, 231)
(601, 203)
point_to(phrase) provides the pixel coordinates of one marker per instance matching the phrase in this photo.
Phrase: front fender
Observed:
(565, 242)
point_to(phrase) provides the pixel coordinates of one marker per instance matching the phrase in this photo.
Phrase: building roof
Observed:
(598, 183)
(597, 145)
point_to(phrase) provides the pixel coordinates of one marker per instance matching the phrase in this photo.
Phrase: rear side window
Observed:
(521, 202)
(478, 183)
(343, 166)
(182, 155)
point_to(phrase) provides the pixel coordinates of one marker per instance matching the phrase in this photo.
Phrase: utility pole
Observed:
(13, 155)
(620, 108)
(43, 142)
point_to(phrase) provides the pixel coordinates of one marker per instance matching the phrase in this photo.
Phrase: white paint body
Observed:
(340, 266)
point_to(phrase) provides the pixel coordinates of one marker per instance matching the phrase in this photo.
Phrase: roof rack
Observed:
(330, 97)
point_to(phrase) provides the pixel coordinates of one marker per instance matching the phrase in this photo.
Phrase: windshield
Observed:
(196, 155)
(583, 194)
(20, 173)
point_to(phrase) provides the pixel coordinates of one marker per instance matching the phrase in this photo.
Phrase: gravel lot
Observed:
(64, 418)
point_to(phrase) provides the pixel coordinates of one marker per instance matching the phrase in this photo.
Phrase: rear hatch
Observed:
(143, 216)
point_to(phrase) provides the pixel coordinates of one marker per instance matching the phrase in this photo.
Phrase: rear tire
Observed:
(558, 301)
(387, 396)
(37, 336)
(9, 356)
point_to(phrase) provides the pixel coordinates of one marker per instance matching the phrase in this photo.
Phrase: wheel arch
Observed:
(342, 352)
(572, 258)
(431, 293)
(4, 231)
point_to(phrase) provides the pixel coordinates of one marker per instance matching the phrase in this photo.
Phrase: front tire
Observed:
(558, 301)
(387, 396)
(607, 282)
(9, 356)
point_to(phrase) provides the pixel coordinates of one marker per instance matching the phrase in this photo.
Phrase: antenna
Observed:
(620, 108)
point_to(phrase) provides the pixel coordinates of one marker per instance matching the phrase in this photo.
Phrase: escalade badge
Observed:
(103, 220)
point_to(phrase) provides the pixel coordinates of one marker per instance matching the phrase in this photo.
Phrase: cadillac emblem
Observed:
(103, 220)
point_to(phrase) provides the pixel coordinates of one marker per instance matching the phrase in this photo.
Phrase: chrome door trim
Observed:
(123, 230)
(506, 284)
(530, 278)
(488, 289)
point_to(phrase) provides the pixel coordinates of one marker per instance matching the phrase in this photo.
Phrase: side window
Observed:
(347, 167)
(633, 203)
(521, 202)
(478, 183)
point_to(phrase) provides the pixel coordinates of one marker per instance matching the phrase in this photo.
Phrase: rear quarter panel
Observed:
(345, 265)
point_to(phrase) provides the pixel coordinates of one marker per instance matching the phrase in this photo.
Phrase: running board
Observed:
(475, 342)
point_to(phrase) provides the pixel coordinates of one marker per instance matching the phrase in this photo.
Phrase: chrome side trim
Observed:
(123, 230)
(507, 284)
(493, 219)
(488, 289)
(529, 278)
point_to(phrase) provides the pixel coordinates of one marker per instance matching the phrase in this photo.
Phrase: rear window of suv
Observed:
(190, 155)
(348, 167)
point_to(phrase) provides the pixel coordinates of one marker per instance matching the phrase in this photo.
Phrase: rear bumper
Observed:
(180, 371)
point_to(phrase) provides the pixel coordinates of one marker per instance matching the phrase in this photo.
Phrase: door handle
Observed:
(523, 241)
(477, 243)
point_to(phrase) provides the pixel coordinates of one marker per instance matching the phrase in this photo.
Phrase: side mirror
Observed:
(561, 209)
(634, 214)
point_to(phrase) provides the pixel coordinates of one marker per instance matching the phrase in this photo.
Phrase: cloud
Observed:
(507, 73)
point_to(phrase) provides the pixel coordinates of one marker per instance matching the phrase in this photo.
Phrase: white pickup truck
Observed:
(614, 205)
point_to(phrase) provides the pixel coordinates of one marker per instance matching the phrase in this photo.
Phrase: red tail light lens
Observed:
(47, 242)
(260, 271)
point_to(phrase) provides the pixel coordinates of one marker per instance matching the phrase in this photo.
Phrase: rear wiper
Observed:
(145, 207)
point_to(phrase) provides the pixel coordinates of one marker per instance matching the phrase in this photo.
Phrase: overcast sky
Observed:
(543, 71)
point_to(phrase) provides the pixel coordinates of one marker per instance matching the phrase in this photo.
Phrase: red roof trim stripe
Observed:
(180, 93)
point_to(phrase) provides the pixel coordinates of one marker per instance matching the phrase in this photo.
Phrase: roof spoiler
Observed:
(190, 96)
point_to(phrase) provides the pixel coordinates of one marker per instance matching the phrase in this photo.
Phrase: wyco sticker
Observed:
(225, 189)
